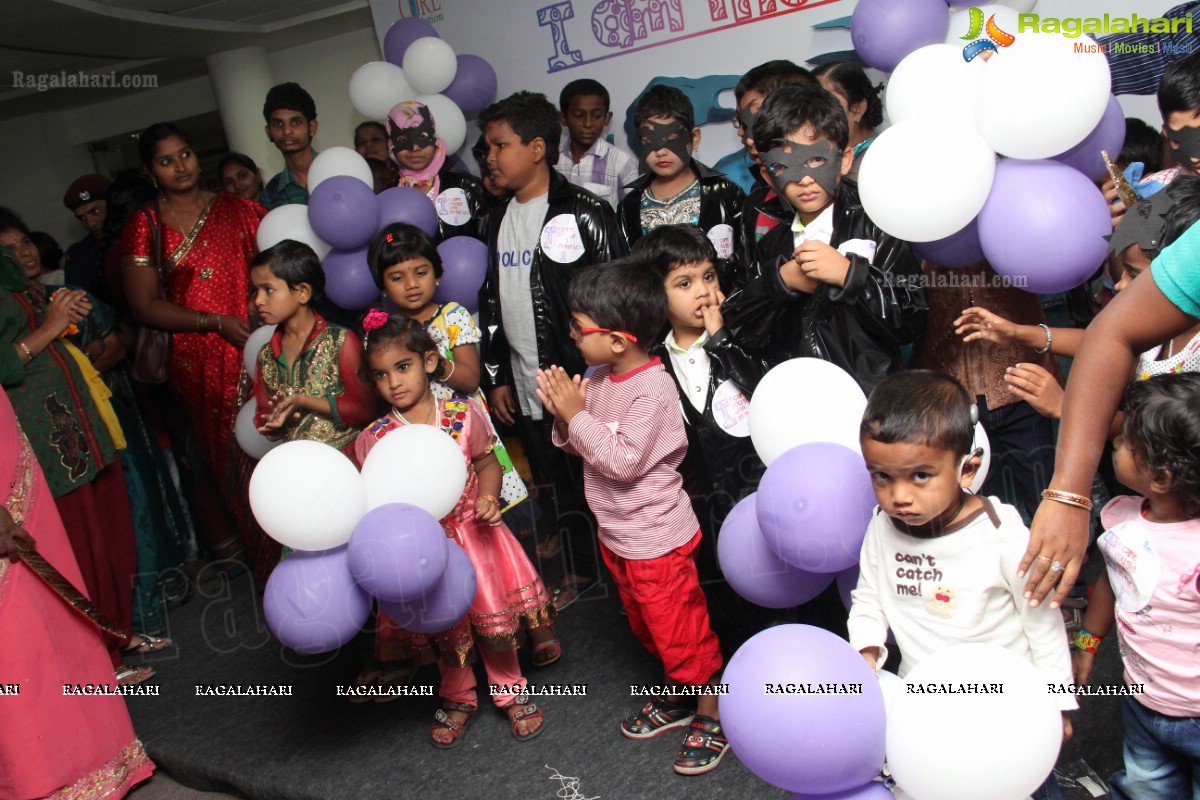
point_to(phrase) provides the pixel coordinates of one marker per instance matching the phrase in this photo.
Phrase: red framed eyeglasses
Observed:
(584, 331)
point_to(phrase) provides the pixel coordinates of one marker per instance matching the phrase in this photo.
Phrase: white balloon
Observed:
(419, 465)
(448, 119)
(982, 442)
(949, 197)
(805, 400)
(934, 81)
(892, 687)
(430, 65)
(934, 740)
(1040, 97)
(307, 495)
(339, 161)
(290, 222)
(960, 22)
(377, 86)
(254, 342)
(248, 438)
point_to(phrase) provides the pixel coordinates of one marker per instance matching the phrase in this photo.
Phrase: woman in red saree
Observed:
(52, 744)
(207, 243)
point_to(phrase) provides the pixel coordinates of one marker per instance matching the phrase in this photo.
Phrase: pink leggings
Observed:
(458, 683)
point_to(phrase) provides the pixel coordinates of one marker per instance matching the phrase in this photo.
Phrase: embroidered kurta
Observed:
(329, 366)
(51, 398)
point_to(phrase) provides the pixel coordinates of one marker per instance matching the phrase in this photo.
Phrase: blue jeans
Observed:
(1162, 756)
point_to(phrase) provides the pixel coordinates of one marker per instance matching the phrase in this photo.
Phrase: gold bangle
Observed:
(202, 322)
(491, 497)
(28, 352)
(220, 327)
(1068, 498)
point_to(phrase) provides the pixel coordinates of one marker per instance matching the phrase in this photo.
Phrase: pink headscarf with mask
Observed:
(401, 122)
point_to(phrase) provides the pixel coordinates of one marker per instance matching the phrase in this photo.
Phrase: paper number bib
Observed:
(561, 241)
(731, 409)
(721, 237)
(452, 207)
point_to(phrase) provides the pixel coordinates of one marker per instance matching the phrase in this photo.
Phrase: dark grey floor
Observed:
(315, 745)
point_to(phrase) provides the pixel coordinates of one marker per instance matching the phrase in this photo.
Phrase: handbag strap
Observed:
(156, 247)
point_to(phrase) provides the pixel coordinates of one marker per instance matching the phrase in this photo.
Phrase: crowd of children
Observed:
(614, 373)
(624, 322)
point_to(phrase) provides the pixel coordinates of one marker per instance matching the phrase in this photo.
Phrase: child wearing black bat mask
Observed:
(676, 189)
(831, 285)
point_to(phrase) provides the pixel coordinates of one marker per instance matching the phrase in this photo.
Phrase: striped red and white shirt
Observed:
(631, 438)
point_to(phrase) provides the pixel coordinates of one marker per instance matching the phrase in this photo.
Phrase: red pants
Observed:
(668, 612)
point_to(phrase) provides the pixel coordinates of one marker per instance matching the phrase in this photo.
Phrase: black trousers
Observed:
(1022, 454)
(558, 478)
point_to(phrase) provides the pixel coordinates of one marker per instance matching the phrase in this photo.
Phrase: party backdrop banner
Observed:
(702, 46)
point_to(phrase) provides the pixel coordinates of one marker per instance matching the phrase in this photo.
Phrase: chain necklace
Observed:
(404, 419)
(171, 211)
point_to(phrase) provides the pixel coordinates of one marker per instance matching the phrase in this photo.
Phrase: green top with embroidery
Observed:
(49, 394)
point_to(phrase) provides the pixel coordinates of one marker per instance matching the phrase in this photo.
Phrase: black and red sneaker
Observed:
(703, 747)
(656, 717)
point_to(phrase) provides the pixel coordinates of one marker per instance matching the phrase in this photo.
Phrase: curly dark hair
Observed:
(1162, 428)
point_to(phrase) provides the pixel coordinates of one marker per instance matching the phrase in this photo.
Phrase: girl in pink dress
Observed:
(401, 360)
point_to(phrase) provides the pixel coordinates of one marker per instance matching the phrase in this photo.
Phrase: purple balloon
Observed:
(875, 790)
(958, 250)
(755, 572)
(312, 603)
(398, 552)
(408, 205)
(445, 604)
(1043, 225)
(1108, 135)
(464, 265)
(344, 212)
(884, 32)
(404, 32)
(814, 505)
(474, 84)
(348, 280)
(802, 741)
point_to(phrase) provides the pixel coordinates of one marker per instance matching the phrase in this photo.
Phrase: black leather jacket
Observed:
(721, 202)
(757, 203)
(477, 203)
(602, 242)
(718, 464)
(860, 327)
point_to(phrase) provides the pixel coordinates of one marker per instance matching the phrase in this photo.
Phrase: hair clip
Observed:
(373, 321)
(388, 238)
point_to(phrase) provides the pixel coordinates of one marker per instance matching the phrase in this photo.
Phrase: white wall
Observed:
(509, 36)
(44, 152)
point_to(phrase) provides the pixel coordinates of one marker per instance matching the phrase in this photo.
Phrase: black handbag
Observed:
(152, 347)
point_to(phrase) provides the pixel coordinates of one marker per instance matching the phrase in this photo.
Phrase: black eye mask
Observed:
(1143, 225)
(746, 117)
(417, 138)
(1189, 144)
(653, 137)
(785, 168)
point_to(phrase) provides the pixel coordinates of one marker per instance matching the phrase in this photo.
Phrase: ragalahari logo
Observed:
(978, 45)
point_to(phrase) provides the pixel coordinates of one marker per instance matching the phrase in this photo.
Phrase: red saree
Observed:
(208, 271)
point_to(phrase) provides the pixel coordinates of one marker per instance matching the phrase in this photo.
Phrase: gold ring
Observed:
(1044, 558)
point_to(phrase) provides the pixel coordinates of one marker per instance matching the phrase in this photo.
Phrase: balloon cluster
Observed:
(343, 212)
(967, 86)
(362, 536)
(782, 546)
